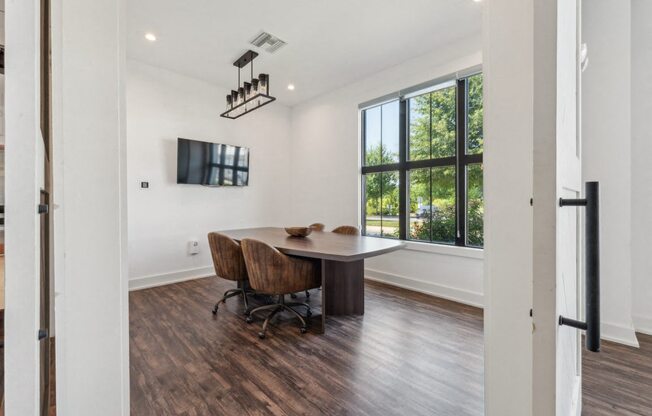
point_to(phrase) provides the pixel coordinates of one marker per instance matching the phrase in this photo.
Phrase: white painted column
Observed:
(508, 105)
(91, 218)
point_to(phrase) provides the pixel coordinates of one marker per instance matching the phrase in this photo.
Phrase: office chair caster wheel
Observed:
(309, 314)
(214, 310)
(307, 294)
(249, 319)
(293, 295)
(261, 335)
(303, 329)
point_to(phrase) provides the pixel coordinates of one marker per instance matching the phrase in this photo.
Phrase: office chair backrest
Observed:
(227, 257)
(275, 273)
(347, 230)
(317, 226)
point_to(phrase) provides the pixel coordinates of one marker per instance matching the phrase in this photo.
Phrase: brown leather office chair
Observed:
(274, 273)
(347, 230)
(317, 226)
(230, 265)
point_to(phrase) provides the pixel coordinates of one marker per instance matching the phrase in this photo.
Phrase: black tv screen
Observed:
(211, 164)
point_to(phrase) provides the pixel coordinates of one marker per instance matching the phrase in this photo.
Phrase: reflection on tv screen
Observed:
(211, 164)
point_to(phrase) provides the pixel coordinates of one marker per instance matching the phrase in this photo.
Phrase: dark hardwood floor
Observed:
(618, 380)
(410, 354)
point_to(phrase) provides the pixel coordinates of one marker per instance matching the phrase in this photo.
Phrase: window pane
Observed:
(420, 208)
(372, 204)
(419, 127)
(443, 122)
(443, 204)
(381, 204)
(390, 114)
(474, 206)
(432, 204)
(475, 139)
(372, 137)
(390, 204)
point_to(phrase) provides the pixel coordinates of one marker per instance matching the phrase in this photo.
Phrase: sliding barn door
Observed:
(557, 264)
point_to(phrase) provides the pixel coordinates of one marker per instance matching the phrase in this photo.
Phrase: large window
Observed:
(422, 165)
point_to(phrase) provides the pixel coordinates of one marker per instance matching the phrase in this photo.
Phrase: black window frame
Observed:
(460, 161)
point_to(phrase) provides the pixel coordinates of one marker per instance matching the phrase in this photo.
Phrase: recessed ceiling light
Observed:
(150, 37)
(291, 87)
(477, 1)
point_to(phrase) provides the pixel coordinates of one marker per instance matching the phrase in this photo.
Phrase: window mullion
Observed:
(403, 210)
(460, 203)
(382, 229)
(363, 206)
(430, 176)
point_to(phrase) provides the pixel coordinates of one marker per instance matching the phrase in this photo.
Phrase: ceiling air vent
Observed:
(268, 42)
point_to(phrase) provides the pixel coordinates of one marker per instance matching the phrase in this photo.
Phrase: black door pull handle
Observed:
(591, 202)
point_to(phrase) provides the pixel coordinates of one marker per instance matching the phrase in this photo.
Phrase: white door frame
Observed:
(508, 66)
(90, 207)
(24, 177)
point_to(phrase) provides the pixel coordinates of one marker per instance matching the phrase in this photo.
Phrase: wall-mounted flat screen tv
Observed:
(211, 164)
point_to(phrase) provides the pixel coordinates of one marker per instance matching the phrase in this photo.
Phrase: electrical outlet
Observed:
(193, 247)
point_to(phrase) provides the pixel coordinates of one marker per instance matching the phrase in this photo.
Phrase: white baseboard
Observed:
(144, 282)
(618, 333)
(451, 293)
(643, 324)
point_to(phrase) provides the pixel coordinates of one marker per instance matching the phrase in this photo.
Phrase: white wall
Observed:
(325, 174)
(90, 207)
(641, 172)
(161, 106)
(607, 154)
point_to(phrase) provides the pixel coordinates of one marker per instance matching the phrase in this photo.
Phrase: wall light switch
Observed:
(193, 247)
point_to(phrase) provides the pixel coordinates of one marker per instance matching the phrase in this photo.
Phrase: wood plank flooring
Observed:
(618, 380)
(410, 354)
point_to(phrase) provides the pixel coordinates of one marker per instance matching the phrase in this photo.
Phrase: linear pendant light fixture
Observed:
(250, 95)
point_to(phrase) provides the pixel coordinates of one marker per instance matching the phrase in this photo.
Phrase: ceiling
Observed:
(330, 43)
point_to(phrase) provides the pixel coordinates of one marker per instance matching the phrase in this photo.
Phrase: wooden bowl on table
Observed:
(298, 231)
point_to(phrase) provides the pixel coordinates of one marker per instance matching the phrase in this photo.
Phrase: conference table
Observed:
(342, 264)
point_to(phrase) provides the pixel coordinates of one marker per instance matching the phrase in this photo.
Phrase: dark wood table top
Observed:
(320, 244)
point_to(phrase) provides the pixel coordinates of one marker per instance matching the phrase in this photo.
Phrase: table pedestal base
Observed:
(342, 289)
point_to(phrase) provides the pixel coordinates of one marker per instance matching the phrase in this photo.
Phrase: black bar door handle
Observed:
(591, 202)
